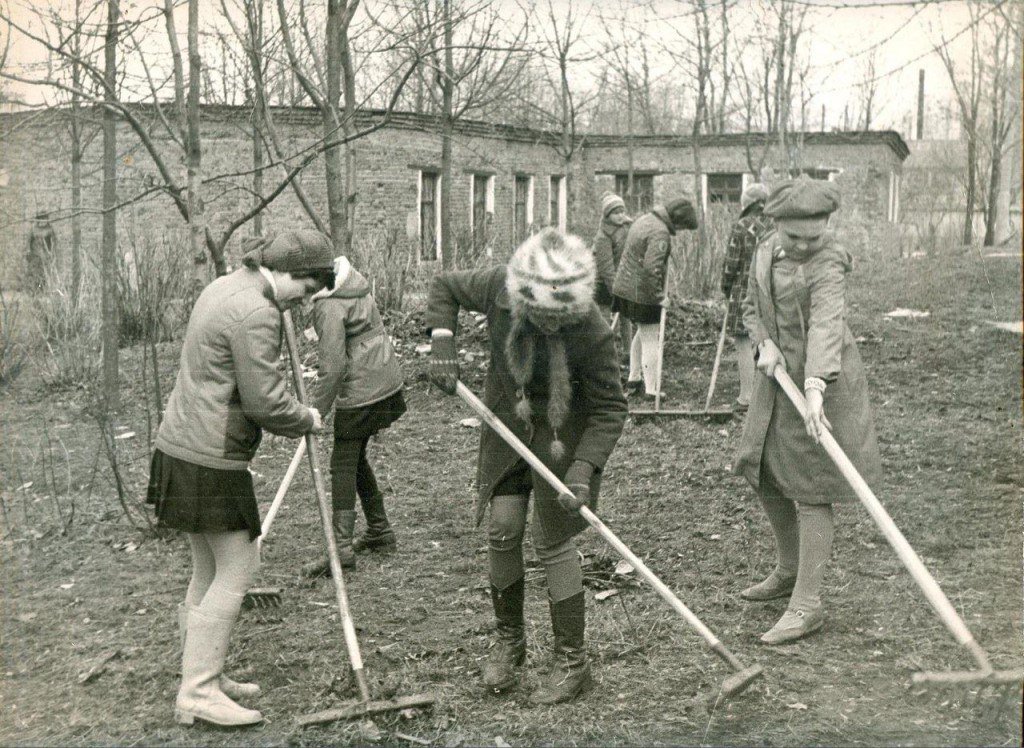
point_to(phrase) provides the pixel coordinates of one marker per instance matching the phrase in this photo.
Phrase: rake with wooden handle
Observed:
(985, 674)
(734, 684)
(365, 705)
(270, 597)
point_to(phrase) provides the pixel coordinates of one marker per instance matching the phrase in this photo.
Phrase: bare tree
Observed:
(108, 263)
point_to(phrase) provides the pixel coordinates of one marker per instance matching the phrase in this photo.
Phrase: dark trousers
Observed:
(351, 474)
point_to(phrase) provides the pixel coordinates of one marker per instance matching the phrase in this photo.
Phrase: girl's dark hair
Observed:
(324, 277)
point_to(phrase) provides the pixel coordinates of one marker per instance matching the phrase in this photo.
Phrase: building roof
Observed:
(430, 123)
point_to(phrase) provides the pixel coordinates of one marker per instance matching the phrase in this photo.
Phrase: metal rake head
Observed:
(989, 692)
(262, 598)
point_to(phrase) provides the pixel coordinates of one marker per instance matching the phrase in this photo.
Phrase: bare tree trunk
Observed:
(447, 131)
(348, 123)
(110, 322)
(76, 161)
(194, 160)
(333, 155)
(972, 178)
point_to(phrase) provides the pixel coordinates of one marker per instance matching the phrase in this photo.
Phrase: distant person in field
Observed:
(795, 312)
(553, 380)
(639, 289)
(42, 252)
(228, 390)
(751, 228)
(359, 377)
(609, 242)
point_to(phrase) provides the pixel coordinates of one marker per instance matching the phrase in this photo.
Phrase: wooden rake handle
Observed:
(282, 490)
(718, 358)
(592, 519)
(943, 607)
(347, 625)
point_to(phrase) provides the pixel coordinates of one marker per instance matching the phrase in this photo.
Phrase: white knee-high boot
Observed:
(200, 696)
(231, 688)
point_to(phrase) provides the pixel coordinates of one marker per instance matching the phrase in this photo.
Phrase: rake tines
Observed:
(265, 603)
(989, 691)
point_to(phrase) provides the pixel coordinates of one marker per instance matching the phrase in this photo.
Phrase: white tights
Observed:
(224, 565)
(643, 357)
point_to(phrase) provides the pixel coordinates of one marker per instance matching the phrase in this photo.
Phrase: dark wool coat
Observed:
(801, 306)
(597, 406)
(608, 246)
(749, 231)
(357, 361)
(641, 274)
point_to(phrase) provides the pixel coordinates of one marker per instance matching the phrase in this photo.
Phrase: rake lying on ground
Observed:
(984, 676)
(734, 684)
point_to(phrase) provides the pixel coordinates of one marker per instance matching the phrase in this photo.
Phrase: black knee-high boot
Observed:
(570, 670)
(500, 671)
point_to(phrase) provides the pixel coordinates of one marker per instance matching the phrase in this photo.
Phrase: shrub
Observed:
(13, 349)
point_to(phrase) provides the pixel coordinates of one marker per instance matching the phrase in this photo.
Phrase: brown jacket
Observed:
(597, 410)
(229, 385)
(801, 305)
(357, 361)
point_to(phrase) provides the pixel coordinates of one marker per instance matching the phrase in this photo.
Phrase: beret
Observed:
(802, 198)
(290, 251)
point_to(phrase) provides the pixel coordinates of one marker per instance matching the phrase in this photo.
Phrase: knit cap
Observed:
(682, 213)
(290, 252)
(609, 202)
(552, 272)
(803, 198)
(755, 193)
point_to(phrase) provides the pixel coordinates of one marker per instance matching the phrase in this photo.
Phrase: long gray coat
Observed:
(597, 407)
(801, 306)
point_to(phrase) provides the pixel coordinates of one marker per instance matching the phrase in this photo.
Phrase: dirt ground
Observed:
(89, 651)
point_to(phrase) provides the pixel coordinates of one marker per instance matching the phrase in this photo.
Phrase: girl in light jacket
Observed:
(795, 312)
(229, 389)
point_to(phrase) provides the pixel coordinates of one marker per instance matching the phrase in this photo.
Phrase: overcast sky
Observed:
(840, 41)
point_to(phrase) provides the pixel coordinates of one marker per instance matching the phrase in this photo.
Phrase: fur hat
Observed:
(755, 193)
(552, 272)
(803, 198)
(609, 202)
(290, 252)
(682, 213)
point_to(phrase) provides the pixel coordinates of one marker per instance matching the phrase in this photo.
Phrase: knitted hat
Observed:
(682, 213)
(755, 193)
(609, 202)
(803, 198)
(552, 272)
(290, 252)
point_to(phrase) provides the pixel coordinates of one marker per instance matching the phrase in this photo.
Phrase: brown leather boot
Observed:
(500, 672)
(344, 523)
(570, 676)
(378, 536)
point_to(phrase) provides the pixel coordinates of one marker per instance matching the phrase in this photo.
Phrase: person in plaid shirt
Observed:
(751, 228)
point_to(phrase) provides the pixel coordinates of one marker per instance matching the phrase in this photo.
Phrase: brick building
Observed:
(507, 180)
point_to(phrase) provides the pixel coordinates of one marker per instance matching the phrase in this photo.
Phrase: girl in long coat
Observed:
(360, 378)
(795, 312)
(228, 390)
(609, 242)
(554, 381)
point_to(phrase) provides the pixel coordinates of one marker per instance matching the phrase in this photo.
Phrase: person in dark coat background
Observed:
(359, 377)
(553, 380)
(639, 287)
(42, 250)
(609, 242)
(751, 228)
(795, 311)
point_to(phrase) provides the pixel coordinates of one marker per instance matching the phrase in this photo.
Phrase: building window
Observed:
(522, 208)
(825, 175)
(724, 188)
(430, 215)
(481, 208)
(556, 201)
(642, 198)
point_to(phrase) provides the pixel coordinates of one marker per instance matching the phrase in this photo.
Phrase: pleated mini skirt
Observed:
(199, 499)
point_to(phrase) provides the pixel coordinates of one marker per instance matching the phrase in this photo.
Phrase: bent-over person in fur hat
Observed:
(554, 381)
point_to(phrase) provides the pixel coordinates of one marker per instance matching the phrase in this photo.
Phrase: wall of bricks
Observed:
(35, 175)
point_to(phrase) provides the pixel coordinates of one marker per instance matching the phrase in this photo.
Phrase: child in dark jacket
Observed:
(553, 380)
(360, 378)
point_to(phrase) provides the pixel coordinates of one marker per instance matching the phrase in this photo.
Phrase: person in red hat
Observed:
(795, 312)
(228, 390)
